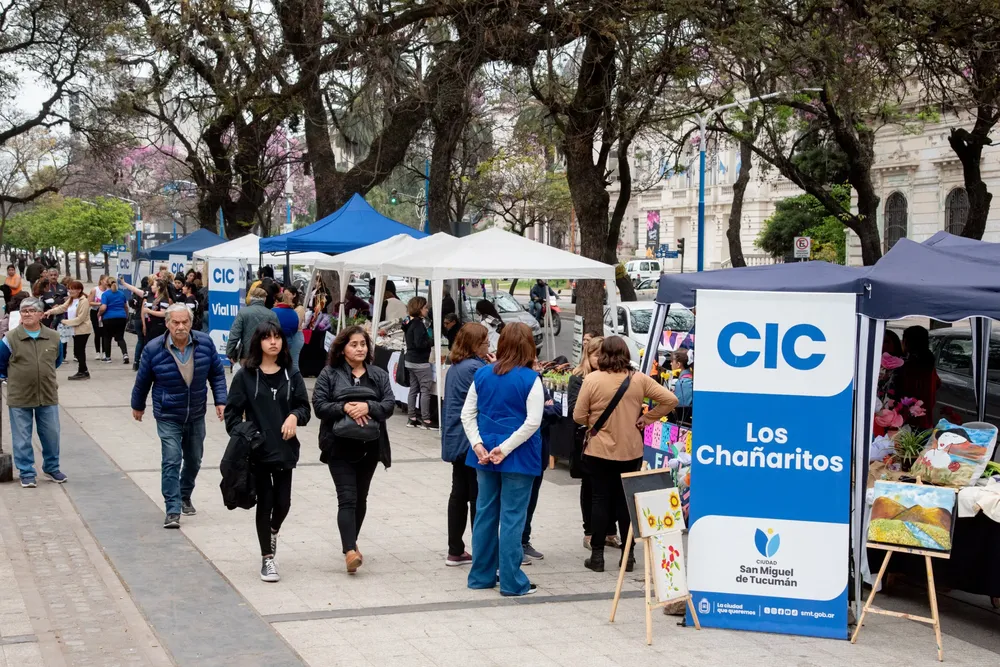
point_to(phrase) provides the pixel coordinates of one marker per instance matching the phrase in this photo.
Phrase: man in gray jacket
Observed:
(246, 322)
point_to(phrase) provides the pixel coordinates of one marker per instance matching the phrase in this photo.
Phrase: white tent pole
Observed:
(655, 334)
(343, 273)
(377, 305)
(437, 293)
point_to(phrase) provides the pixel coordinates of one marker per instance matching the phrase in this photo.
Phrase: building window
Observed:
(956, 211)
(895, 219)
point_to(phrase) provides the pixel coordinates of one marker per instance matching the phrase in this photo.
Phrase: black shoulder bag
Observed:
(599, 424)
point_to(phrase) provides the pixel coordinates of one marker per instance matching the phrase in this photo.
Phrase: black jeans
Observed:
(536, 486)
(114, 329)
(461, 504)
(608, 495)
(98, 333)
(80, 351)
(274, 499)
(353, 479)
(587, 507)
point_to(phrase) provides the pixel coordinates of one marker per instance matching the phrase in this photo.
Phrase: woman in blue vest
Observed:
(469, 353)
(501, 417)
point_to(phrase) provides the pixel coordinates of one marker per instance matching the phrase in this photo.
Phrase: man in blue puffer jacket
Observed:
(177, 366)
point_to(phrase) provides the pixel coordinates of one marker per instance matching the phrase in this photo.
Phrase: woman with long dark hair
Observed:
(916, 378)
(501, 417)
(77, 309)
(268, 392)
(417, 359)
(468, 355)
(353, 398)
(615, 447)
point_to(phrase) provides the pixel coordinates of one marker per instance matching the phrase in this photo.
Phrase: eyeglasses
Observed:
(30, 311)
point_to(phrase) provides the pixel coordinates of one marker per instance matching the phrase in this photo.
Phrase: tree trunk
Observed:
(513, 285)
(66, 257)
(449, 122)
(736, 211)
(320, 149)
(625, 286)
(968, 146)
(86, 261)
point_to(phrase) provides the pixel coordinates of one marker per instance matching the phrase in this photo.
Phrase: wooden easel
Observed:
(931, 592)
(647, 563)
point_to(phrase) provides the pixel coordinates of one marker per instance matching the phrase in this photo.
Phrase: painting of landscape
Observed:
(911, 515)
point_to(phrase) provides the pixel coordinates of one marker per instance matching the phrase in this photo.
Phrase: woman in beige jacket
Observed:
(617, 446)
(77, 309)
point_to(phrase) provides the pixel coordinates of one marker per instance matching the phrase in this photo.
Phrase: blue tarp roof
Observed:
(960, 245)
(354, 225)
(186, 245)
(791, 277)
(946, 283)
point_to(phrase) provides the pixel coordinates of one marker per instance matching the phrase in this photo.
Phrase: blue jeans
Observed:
(501, 507)
(295, 344)
(47, 418)
(535, 308)
(179, 442)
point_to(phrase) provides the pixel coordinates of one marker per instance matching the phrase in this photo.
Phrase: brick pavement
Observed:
(405, 607)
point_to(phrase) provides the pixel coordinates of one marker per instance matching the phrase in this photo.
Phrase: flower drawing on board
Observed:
(668, 521)
(675, 501)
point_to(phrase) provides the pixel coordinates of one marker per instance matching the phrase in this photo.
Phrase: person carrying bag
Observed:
(610, 406)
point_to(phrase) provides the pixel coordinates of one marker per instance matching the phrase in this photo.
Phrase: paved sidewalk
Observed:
(404, 606)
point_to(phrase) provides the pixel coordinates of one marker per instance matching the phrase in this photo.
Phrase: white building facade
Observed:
(917, 177)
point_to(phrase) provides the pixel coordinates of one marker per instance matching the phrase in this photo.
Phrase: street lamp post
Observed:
(138, 222)
(702, 120)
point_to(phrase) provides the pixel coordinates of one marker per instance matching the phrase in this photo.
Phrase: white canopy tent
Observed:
(493, 253)
(248, 248)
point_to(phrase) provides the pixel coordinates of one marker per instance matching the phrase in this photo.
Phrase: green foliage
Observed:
(805, 216)
(70, 224)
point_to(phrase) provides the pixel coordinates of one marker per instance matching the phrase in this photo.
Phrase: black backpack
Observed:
(237, 485)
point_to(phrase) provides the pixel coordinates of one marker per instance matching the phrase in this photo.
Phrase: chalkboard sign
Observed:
(644, 480)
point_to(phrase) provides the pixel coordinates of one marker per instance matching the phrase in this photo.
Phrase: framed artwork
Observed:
(659, 511)
(913, 516)
(669, 573)
(956, 455)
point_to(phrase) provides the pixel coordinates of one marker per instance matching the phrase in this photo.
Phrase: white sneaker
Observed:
(268, 570)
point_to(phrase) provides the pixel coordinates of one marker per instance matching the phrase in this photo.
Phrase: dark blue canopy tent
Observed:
(791, 277)
(198, 240)
(354, 225)
(960, 245)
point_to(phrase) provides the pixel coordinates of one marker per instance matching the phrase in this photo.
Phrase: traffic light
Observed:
(680, 246)
(394, 197)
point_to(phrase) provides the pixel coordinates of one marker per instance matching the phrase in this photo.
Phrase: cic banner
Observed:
(226, 291)
(769, 541)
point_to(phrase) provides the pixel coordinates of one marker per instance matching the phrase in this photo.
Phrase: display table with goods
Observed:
(954, 456)
(562, 432)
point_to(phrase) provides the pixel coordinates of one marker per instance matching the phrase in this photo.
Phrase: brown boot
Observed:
(361, 556)
(353, 560)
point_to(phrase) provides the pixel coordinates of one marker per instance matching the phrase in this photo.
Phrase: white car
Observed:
(646, 290)
(634, 318)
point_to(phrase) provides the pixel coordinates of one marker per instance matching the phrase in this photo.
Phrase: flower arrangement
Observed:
(907, 445)
(896, 413)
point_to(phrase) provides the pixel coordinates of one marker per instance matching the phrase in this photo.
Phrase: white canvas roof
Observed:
(494, 253)
(248, 248)
(369, 257)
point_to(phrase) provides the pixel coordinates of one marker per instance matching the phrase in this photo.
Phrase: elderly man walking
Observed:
(179, 366)
(29, 357)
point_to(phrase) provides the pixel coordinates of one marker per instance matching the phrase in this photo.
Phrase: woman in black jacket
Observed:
(353, 398)
(417, 361)
(267, 392)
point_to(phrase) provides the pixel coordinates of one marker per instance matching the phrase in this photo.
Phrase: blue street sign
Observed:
(123, 248)
(109, 247)
(664, 252)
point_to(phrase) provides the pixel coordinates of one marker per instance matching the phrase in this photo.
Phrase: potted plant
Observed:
(908, 445)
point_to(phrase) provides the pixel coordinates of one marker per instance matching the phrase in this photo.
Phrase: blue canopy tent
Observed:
(354, 225)
(960, 245)
(187, 245)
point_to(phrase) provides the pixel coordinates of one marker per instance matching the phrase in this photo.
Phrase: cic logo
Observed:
(774, 343)
(767, 543)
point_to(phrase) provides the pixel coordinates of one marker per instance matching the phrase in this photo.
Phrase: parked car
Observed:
(956, 398)
(510, 309)
(646, 289)
(643, 269)
(634, 319)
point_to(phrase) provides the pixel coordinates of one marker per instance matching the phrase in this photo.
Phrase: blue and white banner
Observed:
(123, 268)
(769, 541)
(176, 264)
(226, 291)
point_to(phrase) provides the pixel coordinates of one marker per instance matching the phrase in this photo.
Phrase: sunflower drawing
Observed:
(668, 521)
(675, 501)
